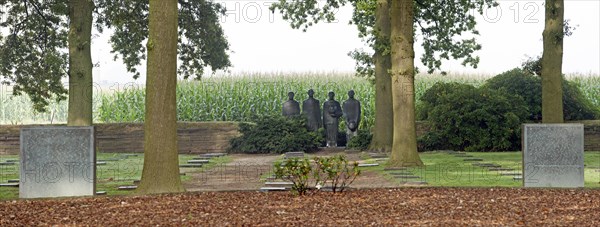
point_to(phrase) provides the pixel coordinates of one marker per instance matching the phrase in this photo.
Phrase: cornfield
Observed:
(240, 97)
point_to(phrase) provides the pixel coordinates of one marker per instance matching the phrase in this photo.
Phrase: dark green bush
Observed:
(524, 83)
(361, 141)
(464, 117)
(275, 134)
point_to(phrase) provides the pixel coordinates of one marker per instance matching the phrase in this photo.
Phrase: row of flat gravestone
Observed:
(489, 166)
(195, 162)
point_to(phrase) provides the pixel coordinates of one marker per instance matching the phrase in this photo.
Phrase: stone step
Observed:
(213, 155)
(378, 155)
(280, 184)
(395, 168)
(413, 183)
(9, 185)
(127, 187)
(190, 165)
(481, 164)
(406, 177)
(511, 174)
(472, 159)
(196, 161)
(270, 189)
(101, 193)
(501, 169)
(368, 164)
(400, 173)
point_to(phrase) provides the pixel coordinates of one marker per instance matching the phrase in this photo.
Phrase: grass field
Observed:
(120, 170)
(442, 169)
(239, 97)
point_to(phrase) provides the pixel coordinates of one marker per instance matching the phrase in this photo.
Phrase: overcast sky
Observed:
(263, 42)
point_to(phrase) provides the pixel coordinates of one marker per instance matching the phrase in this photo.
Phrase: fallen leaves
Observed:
(404, 207)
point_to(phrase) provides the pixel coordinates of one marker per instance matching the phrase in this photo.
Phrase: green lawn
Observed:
(120, 170)
(443, 169)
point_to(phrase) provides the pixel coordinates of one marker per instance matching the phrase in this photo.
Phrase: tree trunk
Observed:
(80, 63)
(552, 103)
(404, 148)
(384, 124)
(161, 169)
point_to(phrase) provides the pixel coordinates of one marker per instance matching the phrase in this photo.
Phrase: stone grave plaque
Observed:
(57, 161)
(553, 155)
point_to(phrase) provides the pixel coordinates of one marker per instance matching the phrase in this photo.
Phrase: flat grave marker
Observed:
(57, 161)
(553, 155)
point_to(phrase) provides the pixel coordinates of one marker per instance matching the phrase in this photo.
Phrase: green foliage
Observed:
(202, 42)
(276, 134)
(294, 170)
(336, 171)
(361, 141)
(32, 56)
(576, 106)
(464, 117)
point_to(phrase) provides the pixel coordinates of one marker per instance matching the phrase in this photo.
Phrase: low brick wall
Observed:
(201, 137)
(193, 137)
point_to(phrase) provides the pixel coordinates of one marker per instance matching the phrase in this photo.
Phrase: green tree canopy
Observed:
(33, 52)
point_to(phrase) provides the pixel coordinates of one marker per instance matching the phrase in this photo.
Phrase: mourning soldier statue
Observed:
(311, 109)
(351, 109)
(331, 113)
(291, 107)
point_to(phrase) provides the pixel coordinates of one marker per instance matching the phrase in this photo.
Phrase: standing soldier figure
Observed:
(311, 109)
(291, 107)
(351, 109)
(331, 113)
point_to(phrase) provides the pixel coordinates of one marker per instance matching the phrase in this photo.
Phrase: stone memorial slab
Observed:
(10, 185)
(511, 174)
(279, 184)
(195, 165)
(500, 169)
(196, 161)
(368, 164)
(101, 193)
(413, 183)
(406, 177)
(127, 187)
(395, 168)
(553, 155)
(57, 161)
(268, 189)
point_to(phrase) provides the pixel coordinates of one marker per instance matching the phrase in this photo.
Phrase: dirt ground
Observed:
(245, 171)
(368, 207)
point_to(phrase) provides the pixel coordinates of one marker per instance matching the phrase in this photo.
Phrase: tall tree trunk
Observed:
(552, 103)
(404, 148)
(80, 63)
(384, 123)
(161, 169)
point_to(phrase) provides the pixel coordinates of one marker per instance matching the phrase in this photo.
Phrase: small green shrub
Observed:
(524, 83)
(294, 170)
(275, 134)
(464, 117)
(361, 141)
(336, 171)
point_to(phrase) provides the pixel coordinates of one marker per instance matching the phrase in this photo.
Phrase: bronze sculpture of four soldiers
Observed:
(332, 111)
